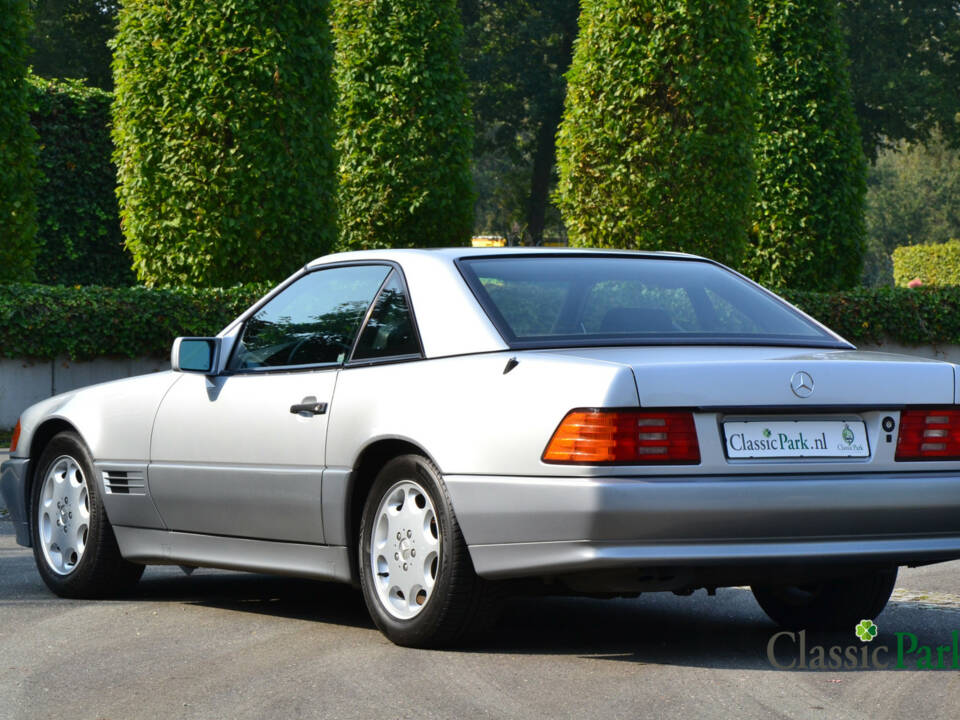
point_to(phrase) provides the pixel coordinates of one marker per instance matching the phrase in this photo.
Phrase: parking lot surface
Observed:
(231, 645)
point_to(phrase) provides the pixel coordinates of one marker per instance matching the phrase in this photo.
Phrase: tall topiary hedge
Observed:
(810, 166)
(654, 148)
(18, 225)
(224, 132)
(405, 127)
(79, 222)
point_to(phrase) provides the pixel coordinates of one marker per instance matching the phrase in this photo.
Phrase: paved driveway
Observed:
(228, 645)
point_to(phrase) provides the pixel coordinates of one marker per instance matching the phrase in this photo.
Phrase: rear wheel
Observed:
(828, 605)
(415, 570)
(73, 544)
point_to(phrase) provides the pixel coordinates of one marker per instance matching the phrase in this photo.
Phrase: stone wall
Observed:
(24, 382)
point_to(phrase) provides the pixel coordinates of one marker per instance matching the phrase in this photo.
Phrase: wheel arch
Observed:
(368, 464)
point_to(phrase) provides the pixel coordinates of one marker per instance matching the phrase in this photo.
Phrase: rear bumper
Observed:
(527, 526)
(13, 489)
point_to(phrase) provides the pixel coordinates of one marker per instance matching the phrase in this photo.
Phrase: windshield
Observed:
(551, 301)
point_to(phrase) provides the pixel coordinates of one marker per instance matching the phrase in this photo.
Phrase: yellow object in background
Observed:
(482, 241)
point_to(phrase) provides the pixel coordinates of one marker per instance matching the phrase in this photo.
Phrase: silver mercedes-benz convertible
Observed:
(442, 426)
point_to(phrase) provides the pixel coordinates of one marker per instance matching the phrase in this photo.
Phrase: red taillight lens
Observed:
(628, 437)
(932, 434)
(16, 437)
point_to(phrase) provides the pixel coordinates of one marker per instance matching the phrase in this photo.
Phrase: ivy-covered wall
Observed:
(78, 218)
(405, 129)
(18, 225)
(654, 150)
(223, 124)
(43, 322)
(811, 174)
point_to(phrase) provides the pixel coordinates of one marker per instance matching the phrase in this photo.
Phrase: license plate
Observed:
(796, 439)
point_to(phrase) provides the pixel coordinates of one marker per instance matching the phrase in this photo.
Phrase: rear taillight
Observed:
(16, 438)
(628, 437)
(932, 434)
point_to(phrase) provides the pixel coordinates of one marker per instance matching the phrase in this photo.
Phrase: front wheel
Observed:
(73, 544)
(415, 571)
(829, 605)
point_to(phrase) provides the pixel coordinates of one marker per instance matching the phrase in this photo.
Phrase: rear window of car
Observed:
(582, 300)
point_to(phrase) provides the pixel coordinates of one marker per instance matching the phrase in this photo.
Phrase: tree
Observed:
(517, 52)
(404, 124)
(913, 198)
(223, 130)
(904, 65)
(654, 147)
(18, 222)
(70, 37)
(809, 231)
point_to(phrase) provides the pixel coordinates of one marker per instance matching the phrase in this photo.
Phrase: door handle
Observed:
(314, 408)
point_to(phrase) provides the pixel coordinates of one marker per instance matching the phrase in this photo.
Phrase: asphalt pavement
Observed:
(232, 645)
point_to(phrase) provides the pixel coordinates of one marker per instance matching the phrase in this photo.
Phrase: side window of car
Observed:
(389, 332)
(312, 322)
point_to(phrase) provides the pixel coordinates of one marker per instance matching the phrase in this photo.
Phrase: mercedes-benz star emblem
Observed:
(802, 384)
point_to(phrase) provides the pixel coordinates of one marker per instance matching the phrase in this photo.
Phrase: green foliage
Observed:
(913, 198)
(654, 147)
(79, 223)
(69, 39)
(44, 321)
(405, 129)
(923, 316)
(18, 225)
(933, 264)
(904, 64)
(515, 54)
(809, 228)
(223, 130)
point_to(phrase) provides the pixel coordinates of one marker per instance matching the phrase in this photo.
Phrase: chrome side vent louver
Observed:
(124, 482)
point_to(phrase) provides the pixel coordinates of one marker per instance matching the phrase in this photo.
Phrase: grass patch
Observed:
(5, 436)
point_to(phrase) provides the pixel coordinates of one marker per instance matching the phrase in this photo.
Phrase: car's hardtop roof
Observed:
(453, 253)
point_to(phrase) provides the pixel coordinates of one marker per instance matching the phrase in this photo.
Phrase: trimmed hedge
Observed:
(811, 173)
(79, 220)
(18, 222)
(406, 131)
(937, 264)
(923, 316)
(654, 150)
(43, 322)
(223, 124)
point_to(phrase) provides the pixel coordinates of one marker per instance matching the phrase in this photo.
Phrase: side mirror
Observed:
(196, 355)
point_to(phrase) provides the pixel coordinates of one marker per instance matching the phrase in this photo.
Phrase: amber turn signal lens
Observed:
(929, 434)
(16, 437)
(628, 437)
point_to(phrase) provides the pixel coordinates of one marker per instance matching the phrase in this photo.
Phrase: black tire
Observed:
(460, 603)
(100, 570)
(829, 605)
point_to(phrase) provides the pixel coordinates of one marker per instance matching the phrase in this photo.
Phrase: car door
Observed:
(242, 453)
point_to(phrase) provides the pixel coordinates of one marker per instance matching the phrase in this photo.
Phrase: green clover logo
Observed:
(766, 432)
(866, 630)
